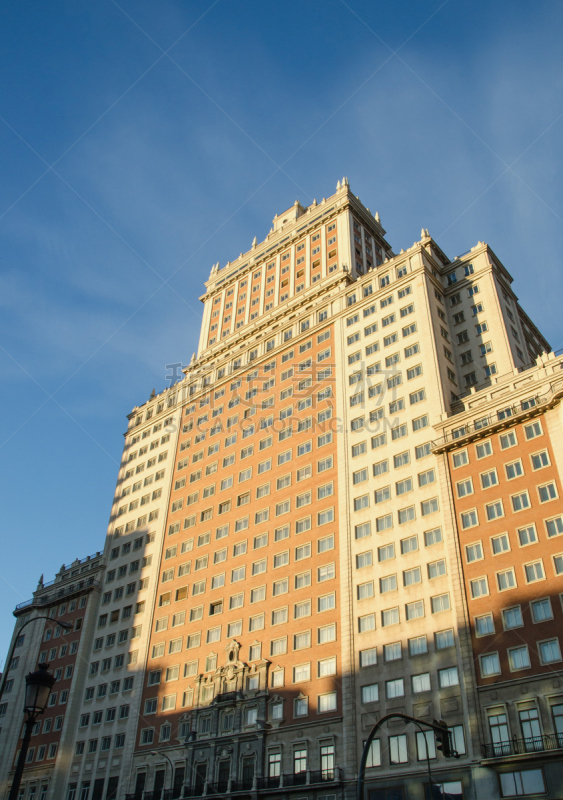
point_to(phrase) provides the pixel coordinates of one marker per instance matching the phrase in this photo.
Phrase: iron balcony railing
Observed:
(508, 415)
(46, 599)
(265, 783)
(518, 747)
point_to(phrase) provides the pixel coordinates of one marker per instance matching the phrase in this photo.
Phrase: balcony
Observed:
(227, 697)
(270, 783)
(521, 747)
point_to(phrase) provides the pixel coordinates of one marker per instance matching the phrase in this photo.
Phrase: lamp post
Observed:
(156, 753)
(66, 626)
(37, 691)
(441, 732)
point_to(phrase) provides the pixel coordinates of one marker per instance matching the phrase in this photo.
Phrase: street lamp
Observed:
(156, 753)
(66, 626)
(444, 742)
(37, 691)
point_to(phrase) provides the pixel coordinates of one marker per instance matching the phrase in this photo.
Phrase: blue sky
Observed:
(143, 142)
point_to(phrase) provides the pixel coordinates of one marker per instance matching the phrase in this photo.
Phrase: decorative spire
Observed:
(377, 216)
(153, 394)
(338, 186)
(254, 242)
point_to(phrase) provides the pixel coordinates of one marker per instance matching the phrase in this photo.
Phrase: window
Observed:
(394, 688)
(440, 603)
(414, 610)
(484, 625)
(464, 488)
(534, 572)
(540, 460)
(366, 623)
(326, 702)
(398, 753)
(490, 665)
(448, 677)
(512, 618)
(547, 492)
(390, 617)
(549, 651)
(386, 584)
(500, 544)
(426, 749)
(518, 658)
(533, 430)
(524, 782)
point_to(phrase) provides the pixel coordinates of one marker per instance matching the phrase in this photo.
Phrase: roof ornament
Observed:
(153, 394)
(254, 242)
(377, 216)
(345, 182)
(338, 186)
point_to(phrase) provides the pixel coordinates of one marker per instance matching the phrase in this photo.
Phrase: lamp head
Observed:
(37, 690)
(66, 626)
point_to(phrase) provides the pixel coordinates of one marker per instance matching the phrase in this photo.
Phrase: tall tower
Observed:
(283, 562)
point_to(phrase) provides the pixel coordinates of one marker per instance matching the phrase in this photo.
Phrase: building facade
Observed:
(302, 540)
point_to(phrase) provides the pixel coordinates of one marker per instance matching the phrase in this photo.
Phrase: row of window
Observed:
(118, 661)
(323, 517)
(519, 501)
(416, 646)
(278, 560)
(512, 617)
(263, 515)
(136, 586)
(549, 652)
(300, 609)
(399, 460)
(40, 754)
(527, 535)
(403, 486)
(301, 640)
(373, 369)
(105, 689)
(407, 545)
(419, 684)
(269, 345)
(90, 747)
(413, 610)
(377, 391)
(324, 573)
(327, 702)
(64, 650)
(506, 578)
(485, 448)
(411, 577)
(513, 469)
(404, 515)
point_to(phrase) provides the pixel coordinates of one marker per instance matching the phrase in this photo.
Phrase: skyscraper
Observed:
(287, 560)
